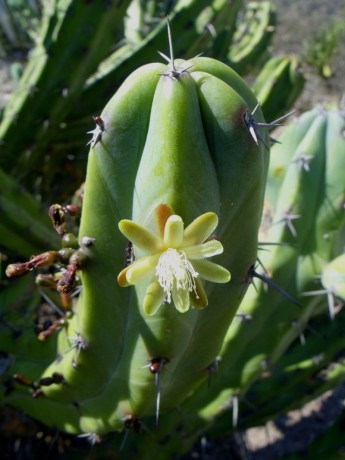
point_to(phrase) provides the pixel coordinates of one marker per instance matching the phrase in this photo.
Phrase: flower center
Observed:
(175, 270)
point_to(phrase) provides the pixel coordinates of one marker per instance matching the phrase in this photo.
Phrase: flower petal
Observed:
(163, 212)
(211, 272)
(173, 232)
(142, 268)
(140, 236)
(198, 298)
(122, 276)
(154, 297)
(181, 299)
(200, 229)
(201, 251)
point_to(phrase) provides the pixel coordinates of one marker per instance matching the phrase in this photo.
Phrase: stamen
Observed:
(173, 268)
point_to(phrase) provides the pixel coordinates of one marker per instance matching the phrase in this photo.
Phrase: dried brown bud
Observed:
(56, 378)
(41, 260)
(23, 379)
(66, 282)
(57, 215)
(51, 329)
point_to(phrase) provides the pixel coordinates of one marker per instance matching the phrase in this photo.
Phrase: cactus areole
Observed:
(175, 169)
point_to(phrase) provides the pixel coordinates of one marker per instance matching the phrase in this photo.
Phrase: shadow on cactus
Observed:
(174, 177)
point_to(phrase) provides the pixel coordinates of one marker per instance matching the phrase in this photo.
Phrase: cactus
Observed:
(312, 366)
(278, 85)
(178, 153)
(192, 134)
(252, 37)
(333, 277)
(305, 217)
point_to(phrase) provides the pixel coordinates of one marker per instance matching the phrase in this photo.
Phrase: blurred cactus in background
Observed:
(320, 52)
(123, 322)
(19, 21)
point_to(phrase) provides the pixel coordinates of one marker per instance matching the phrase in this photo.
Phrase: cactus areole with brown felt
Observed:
(177, 167)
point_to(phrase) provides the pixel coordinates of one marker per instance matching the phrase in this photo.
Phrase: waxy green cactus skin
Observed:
(333, 277)
(163, 139)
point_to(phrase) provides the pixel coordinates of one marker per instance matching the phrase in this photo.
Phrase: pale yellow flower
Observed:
(175, 260)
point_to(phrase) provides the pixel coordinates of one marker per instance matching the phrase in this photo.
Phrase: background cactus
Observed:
(254, 34)
(214, 400)
(279, 85)
(297, 268)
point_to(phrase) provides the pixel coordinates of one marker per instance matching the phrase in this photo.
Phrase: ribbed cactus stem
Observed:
(174, 168)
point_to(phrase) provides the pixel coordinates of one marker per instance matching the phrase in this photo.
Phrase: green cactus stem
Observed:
(175, 136)
(252, 37)
(278, 85)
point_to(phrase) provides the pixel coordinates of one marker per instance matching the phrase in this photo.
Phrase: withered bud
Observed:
(56, 378)
(16, 270)
(41, 260)
(23, 379)
(76, 262)
(51, 329)
(66, 282)
(57, 215)
(46, 381)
